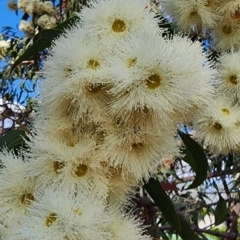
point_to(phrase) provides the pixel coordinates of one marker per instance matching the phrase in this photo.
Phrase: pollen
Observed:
(70, 143)
(153, 81)
(132, 62)
(81, 170)
(227, 30)
(93, 64)
(58, 166)
(194, 13)
(50, 219)
(217, 126)
(225, 111)
(137, 145)
(118, 26)
(78, 212)
(233, 79)
(26, 198)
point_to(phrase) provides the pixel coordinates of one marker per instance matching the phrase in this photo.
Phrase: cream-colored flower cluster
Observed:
(113, 94)
(218, 126)
(43, 15)
(219, 18)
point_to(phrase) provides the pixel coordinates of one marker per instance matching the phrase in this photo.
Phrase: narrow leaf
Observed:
(43, 40)
(25, 16)
(186, 231)
(162, 200)
(165, 205)
(188, 158)
(199, 157)
(215, 186)
(220, 212)
(13, 139)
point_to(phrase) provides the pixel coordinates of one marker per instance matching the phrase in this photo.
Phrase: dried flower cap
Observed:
(46, 22)
(12, 5)
(22, 4)
(53, 20)
(48, 25)
(41, 7)
(43, 20)
(27, 28)
(33, 7)
(48, 8)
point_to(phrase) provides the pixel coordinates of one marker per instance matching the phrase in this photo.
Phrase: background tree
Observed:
(205, 179)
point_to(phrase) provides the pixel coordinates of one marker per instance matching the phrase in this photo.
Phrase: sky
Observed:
(10, 18)
(7, 17)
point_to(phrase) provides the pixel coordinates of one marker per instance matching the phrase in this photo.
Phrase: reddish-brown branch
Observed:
(209, 175)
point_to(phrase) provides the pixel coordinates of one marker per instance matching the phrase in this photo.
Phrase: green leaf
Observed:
(215, 186)
(186, 231)
(13, 139)
(197, 154)
(220, 212)
(162, 200)
(43, 40)
(165, 205)
(25, 16)
(188, 158)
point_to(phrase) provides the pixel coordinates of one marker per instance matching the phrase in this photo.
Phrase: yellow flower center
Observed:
(78, 212)
(132, 62)
(153, 81)
(118, 26)
(95, 88)
(225, 111)
(50, 219)
(217, 126)
(26, 198)
(145, 111)
(81, 170)
(93, 64)
(193, 13)
(67, 71)
(137, 145)
(70, 143)
(233, 79)
(58, 166)
(227, 29)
